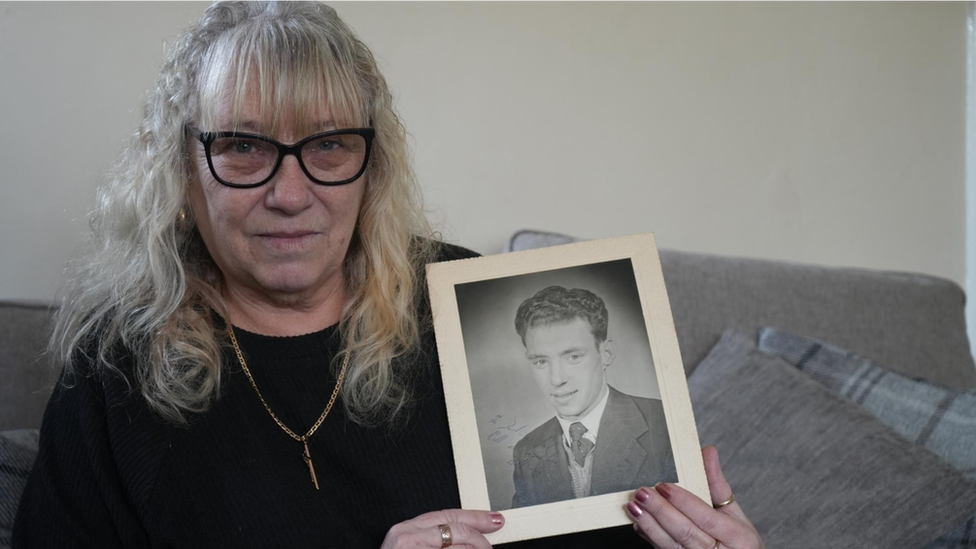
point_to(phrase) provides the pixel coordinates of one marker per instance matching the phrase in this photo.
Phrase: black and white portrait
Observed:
(564, 384)
(565, 392)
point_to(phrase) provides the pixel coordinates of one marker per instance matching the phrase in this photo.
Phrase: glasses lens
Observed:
(335, 157)
(243, 160)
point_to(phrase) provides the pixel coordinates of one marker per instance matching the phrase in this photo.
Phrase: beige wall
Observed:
(822, 133)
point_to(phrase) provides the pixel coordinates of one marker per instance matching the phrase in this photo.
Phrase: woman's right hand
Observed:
(676, 518)
(467, 529)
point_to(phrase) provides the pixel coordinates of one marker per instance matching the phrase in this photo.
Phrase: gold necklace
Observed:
(306, 456)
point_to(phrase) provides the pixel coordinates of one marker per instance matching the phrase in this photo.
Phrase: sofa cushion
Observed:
(26, 373)
(813, 469)
(941, 420)
(17, 452)
(913, 324)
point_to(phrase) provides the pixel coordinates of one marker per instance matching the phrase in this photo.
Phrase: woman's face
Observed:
(285, 240)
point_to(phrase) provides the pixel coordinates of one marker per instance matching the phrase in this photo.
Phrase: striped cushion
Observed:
(941, 420)
(17, 452)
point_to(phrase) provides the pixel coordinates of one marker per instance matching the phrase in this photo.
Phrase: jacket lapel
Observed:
(618, 456)
(552, 475)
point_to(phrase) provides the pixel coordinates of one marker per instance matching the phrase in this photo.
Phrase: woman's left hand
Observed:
(670, 517)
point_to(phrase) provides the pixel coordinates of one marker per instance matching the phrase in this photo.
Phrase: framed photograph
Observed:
(564, 384)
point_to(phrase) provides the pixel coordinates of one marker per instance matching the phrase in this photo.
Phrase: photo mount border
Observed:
(576, 515)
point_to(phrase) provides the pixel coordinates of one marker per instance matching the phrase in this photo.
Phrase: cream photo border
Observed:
(575, 515)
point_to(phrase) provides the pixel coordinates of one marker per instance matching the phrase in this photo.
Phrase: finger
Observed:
(649, 529)
(640, 532)
(482, 521)
(714, 523)
(680, 528)
(462, 535)
(718, 487)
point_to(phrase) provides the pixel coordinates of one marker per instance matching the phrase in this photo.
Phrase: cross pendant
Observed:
(307, 456)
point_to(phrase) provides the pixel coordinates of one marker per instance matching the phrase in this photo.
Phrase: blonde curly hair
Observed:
(150, 287)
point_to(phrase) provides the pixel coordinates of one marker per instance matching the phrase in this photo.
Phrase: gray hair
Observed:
(149, 288)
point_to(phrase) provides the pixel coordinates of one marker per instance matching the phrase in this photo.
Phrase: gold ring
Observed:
(446, 538)
(724, 503)
(717, 543)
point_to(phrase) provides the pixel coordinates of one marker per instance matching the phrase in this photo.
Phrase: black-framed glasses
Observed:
(245, 160)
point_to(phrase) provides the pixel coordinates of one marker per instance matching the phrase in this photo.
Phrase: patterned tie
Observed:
(581, 446)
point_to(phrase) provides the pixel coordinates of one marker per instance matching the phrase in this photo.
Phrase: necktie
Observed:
(581, 446)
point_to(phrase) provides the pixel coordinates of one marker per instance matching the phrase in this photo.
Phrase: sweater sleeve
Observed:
(74, 496)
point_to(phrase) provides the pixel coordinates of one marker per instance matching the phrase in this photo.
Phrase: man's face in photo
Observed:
(568, 365)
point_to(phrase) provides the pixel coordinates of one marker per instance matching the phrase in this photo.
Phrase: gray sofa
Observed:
(912, 324)
(26, 371)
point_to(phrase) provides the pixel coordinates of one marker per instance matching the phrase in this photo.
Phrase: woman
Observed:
(250, 356)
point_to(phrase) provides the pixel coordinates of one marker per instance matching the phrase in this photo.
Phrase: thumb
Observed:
(718, 487)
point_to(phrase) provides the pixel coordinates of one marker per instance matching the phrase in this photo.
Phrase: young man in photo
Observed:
(600, 440)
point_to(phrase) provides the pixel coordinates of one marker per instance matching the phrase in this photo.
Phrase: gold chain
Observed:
(328, 407)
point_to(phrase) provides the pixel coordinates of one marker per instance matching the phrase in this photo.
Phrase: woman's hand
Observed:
(467, 529)
(670, 517)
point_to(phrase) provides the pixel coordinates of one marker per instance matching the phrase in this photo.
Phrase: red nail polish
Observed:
(642, 495)
(497, 519)
(634, 509)
(664, 489)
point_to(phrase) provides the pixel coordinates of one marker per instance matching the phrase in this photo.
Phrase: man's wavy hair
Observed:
(557, 304)
(148, 284)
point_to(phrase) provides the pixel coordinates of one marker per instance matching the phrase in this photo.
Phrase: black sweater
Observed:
(111, 474)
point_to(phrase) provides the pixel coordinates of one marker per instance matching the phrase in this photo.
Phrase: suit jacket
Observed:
(632, 450)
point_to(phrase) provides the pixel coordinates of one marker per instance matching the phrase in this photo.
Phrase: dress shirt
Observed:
(591, 421)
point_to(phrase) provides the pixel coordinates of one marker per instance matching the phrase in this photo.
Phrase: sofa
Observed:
(911, 325)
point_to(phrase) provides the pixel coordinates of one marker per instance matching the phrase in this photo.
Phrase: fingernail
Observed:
(497, 519)
(642, 495)
(634, 509)
(664, 489)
